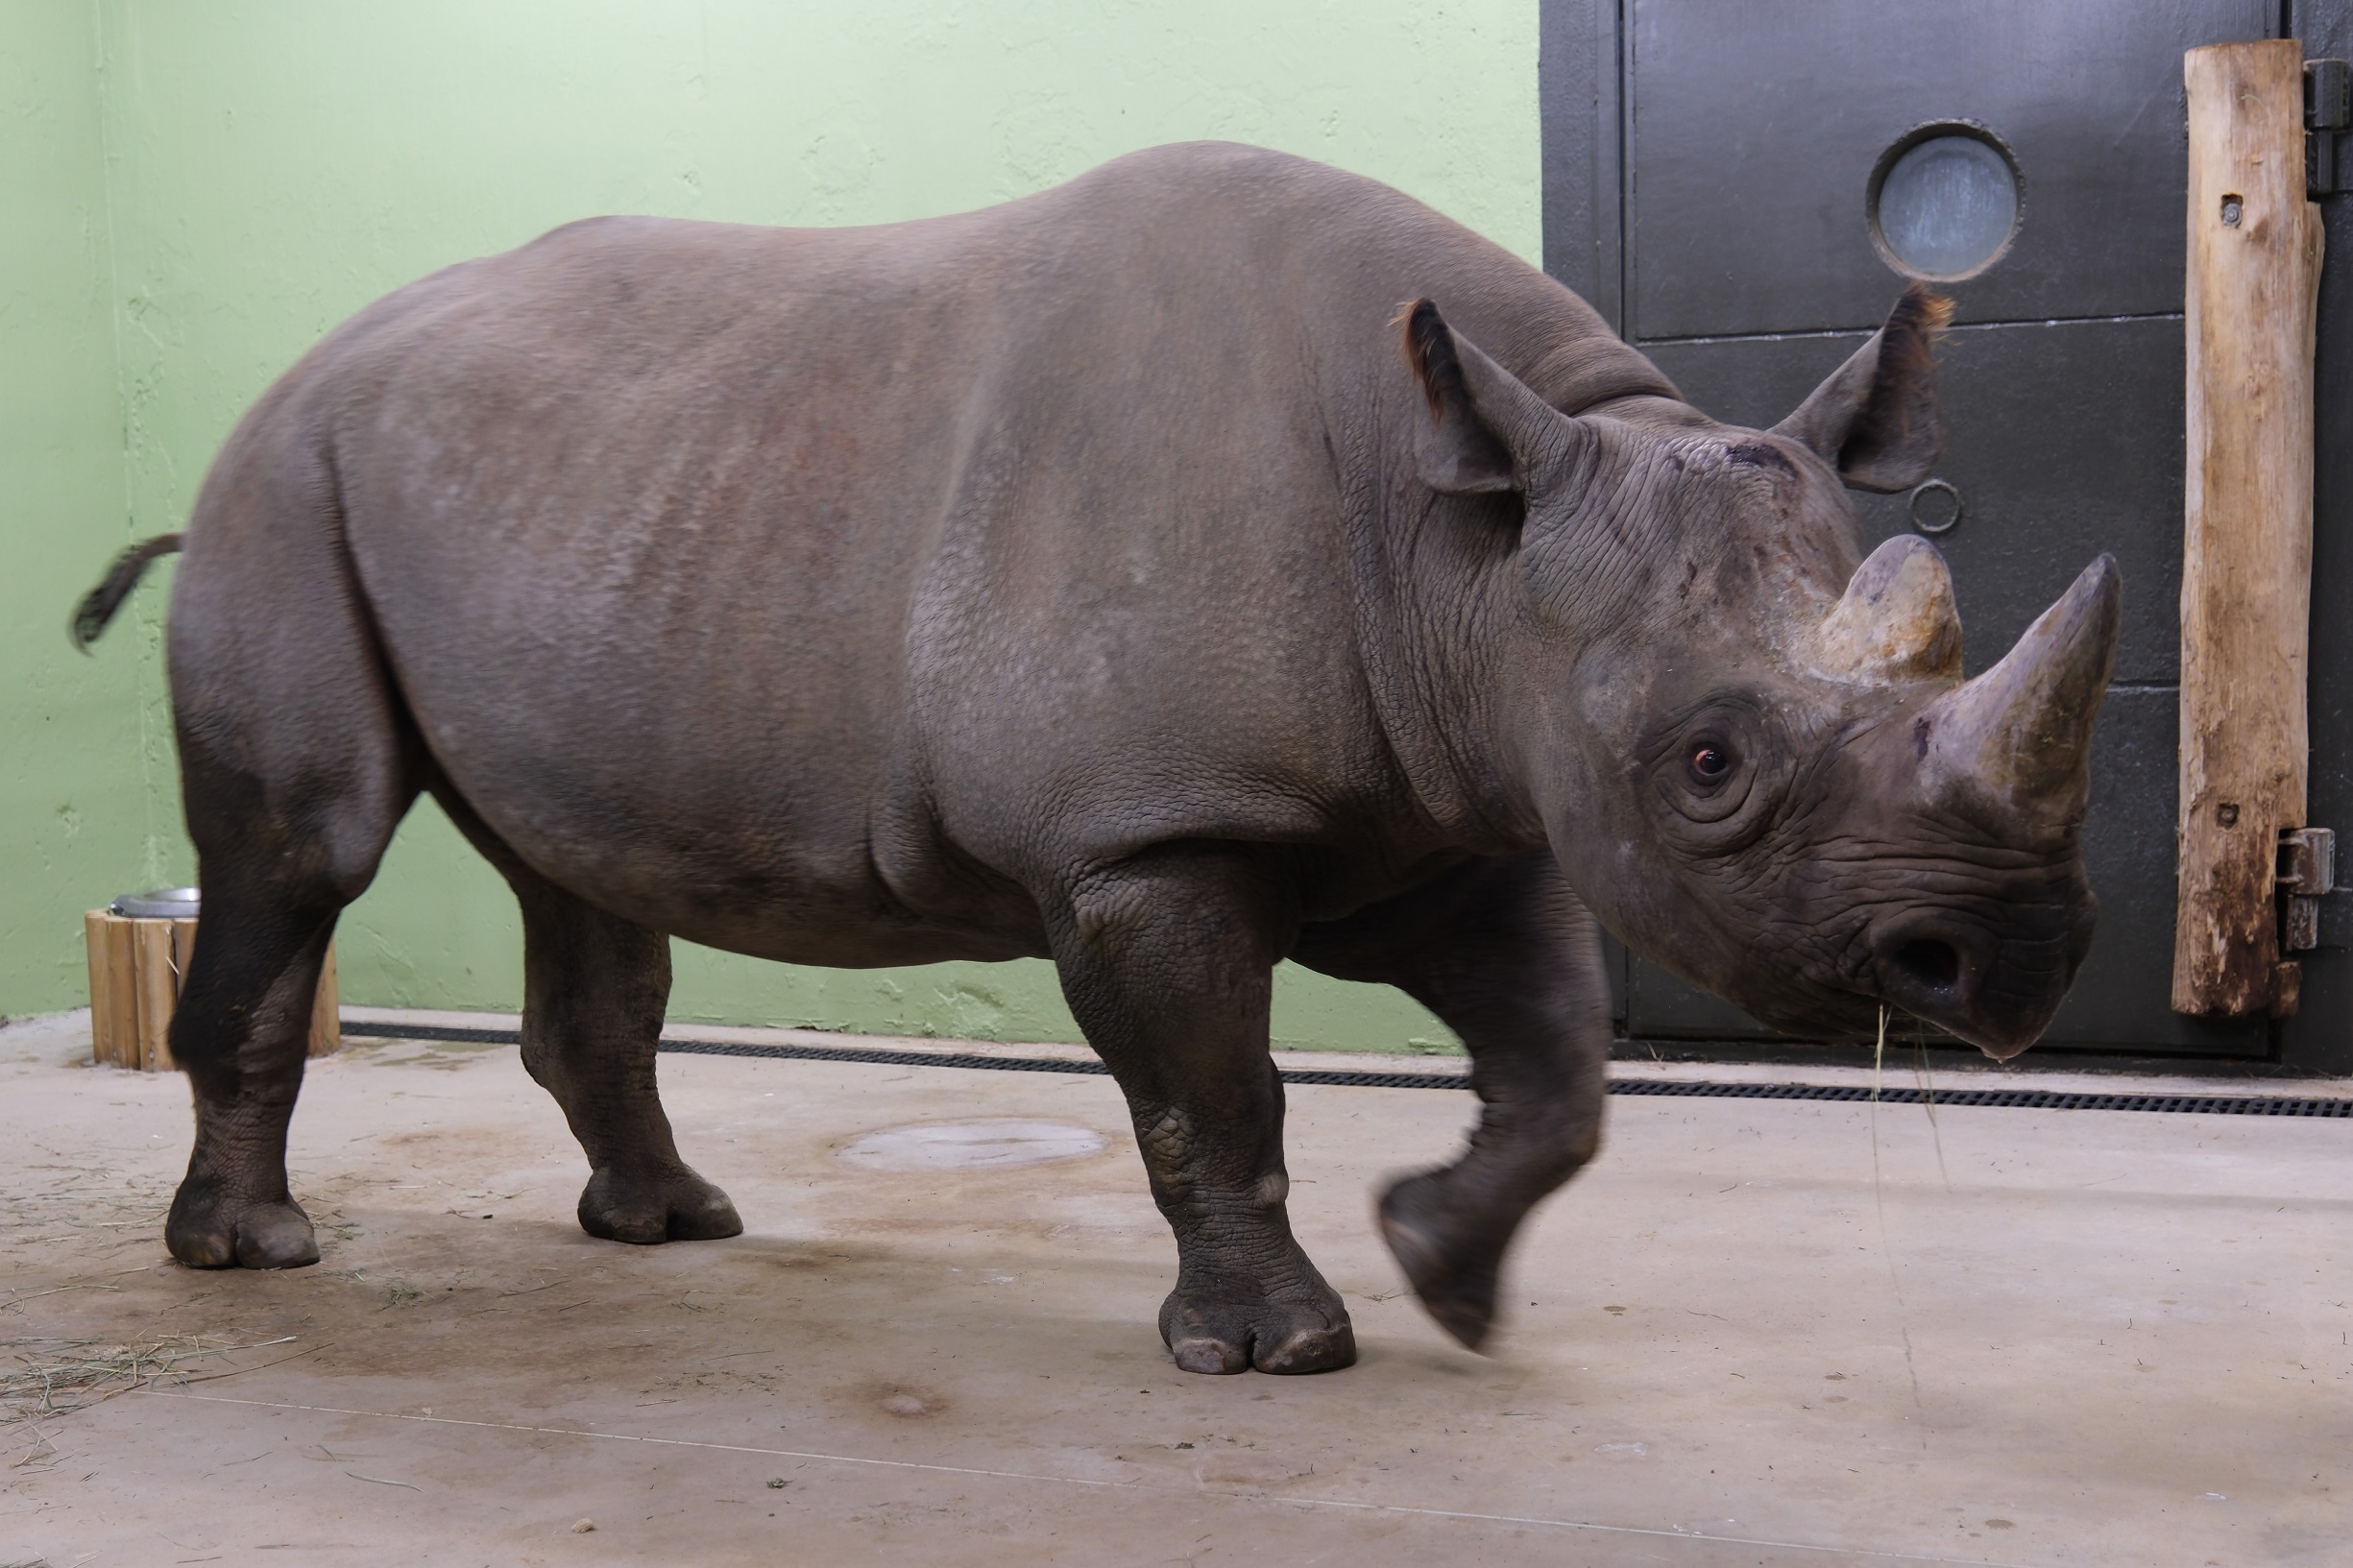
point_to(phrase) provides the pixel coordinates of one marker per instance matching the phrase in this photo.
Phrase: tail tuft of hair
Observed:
(99, 604)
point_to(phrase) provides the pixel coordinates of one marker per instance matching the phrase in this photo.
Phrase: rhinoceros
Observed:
(1216, 559)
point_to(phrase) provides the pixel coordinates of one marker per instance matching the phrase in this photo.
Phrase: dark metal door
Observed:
(1712, 167)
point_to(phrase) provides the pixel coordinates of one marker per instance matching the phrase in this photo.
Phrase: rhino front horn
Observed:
(2022, 732)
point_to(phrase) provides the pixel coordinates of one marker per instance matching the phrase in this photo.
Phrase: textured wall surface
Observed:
(82, 811)
(269, 167)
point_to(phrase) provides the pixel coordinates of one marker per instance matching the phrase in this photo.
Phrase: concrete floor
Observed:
(2020, 1338)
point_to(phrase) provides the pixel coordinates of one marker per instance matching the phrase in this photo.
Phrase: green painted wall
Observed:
(269, 167)
(79, 812)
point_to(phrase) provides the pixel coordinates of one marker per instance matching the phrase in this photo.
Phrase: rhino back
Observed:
(820, 593)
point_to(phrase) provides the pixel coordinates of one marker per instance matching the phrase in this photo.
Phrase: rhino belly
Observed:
(683, 704)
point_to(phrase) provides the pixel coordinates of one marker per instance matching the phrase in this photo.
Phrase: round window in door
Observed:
(1944, 202)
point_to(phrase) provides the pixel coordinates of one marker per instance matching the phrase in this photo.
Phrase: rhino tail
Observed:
(99, 604)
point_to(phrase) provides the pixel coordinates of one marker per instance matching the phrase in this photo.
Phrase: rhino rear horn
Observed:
(1895, 621)
(2022, 732)
(1487, 432)
(1875, 420)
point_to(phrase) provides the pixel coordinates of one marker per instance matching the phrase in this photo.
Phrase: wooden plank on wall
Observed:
(114, 1002)
(2254, 271)
(138, 969)
(158, 990)
(326, 1016)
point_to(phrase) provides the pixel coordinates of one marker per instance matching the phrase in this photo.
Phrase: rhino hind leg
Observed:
(1504, 953)
(596, 987)
(296, 763)
(241, 1033)
(1167, 966)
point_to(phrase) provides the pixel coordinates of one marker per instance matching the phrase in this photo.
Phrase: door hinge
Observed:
(2307, 874)
(2328, 114)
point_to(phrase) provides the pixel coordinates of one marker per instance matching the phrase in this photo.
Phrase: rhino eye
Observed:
(1718, 772)
(1709, 761)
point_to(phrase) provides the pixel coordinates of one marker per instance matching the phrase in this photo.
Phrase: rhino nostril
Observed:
(1932, 963)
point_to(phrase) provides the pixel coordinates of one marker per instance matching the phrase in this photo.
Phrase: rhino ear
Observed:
(1875, 418)
(1488, 431)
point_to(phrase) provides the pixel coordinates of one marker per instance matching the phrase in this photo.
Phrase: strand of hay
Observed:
(1878, 1197)
(74, 1374)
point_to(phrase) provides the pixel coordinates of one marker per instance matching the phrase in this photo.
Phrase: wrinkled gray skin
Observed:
(1099, 577)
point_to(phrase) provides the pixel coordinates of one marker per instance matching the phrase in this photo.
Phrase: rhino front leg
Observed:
(1504, 952)
(1167, 966)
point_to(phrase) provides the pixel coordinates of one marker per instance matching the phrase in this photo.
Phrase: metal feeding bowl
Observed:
(163, 904)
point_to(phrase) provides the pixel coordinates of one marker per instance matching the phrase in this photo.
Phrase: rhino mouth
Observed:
(1996, 992)
(1994, 987)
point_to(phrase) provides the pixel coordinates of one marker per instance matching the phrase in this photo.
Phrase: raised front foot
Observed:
(208, 1229)
(1234, 1329)
(1451, 1264)
(647, 1207)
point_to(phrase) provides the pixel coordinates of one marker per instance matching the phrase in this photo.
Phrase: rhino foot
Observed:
(208, 1229)
(1224, 1332)
(644, 1208)
(1452, 1266)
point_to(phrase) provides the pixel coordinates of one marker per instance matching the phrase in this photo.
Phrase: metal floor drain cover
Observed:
(988, 1144)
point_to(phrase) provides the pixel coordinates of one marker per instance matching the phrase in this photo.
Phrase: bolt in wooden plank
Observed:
(2254, 269)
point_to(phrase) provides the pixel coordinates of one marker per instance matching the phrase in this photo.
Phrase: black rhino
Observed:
(1093, 578)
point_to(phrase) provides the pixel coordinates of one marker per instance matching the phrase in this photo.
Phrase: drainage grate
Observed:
(886, 1058)
(2038, 1099)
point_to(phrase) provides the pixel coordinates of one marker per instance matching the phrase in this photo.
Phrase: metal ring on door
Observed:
(1936, 519)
